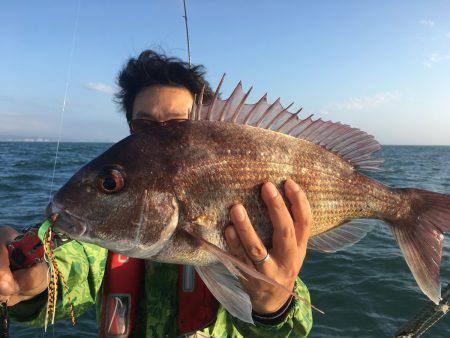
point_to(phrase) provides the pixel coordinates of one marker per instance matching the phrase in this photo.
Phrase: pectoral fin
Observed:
(241, 269)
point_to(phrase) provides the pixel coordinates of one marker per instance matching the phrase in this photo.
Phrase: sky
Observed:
(381, 66)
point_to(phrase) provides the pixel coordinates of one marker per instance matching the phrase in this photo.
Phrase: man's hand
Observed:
(290, 237)
(22, 284)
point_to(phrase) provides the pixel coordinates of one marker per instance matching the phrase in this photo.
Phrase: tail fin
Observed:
(420, 235)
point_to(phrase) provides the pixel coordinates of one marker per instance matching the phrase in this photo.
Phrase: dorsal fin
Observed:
(351, 144)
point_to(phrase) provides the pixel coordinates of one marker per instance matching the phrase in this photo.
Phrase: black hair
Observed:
(151, 68)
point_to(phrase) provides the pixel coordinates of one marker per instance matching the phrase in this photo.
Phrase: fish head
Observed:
(117, 201)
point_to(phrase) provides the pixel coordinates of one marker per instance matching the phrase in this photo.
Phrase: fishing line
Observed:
(61, 122)
(187, 32)
(66, 91)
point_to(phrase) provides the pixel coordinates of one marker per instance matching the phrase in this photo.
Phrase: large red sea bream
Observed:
(164, 194)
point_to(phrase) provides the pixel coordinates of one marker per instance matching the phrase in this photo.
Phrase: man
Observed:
(157, 88)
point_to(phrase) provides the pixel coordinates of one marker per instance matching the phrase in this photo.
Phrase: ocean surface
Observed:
(365, 290)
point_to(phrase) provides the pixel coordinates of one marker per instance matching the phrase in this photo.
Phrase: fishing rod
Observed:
(189, 270)
(187, 32)
(426, 318)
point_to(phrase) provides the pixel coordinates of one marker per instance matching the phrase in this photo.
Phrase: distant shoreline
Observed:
(51, 141)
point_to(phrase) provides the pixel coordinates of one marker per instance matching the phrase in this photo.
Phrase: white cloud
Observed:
(366, 102)
(101, 87)
(435, 58)
(427, 23)
(447, 35)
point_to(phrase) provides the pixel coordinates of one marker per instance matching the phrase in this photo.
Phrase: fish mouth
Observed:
(76, 228)
(65, 221)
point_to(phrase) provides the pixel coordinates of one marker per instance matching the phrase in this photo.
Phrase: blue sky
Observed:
(382, 66)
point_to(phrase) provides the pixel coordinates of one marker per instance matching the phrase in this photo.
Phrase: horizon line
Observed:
(112, 142)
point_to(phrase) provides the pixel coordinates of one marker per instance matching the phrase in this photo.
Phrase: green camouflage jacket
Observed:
(83, 266)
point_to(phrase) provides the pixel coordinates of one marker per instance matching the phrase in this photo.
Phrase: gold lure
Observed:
(55, 275)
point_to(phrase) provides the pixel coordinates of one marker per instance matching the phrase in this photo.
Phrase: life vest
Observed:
(197, 306)
(121, 286)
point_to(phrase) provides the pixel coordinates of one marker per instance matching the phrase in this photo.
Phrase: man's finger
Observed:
(301, 212)
(284, 243)
(250, 240)
(7, 234)
(8, 285)
(33, 280)
(235, 245)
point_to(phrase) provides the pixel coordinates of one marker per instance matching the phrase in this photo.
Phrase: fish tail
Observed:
(419, 229)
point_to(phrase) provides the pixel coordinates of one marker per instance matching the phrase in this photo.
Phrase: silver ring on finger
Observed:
(262, 261)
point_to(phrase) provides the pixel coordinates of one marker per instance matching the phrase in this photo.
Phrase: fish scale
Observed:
(232, 176)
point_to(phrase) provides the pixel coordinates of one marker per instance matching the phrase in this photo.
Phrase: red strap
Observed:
(197, 307)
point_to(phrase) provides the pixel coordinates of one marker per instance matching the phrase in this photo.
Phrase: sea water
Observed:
(366, 290)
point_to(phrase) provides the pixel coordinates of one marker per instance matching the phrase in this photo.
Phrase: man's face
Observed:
(161, 103)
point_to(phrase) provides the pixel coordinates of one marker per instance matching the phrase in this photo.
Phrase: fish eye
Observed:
(111, 181)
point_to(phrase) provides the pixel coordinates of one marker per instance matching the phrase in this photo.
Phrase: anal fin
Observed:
(340, 237)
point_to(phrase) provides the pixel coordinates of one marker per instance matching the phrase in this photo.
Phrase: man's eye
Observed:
(141, 124)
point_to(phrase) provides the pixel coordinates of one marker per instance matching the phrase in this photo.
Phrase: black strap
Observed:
(275, 317)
